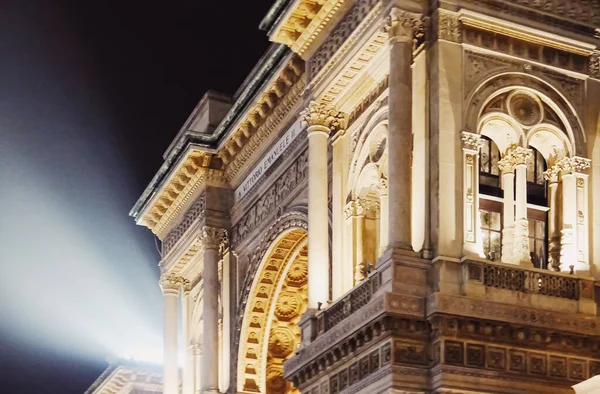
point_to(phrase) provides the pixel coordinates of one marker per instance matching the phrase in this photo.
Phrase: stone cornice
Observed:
(136, 375)
(469, 307)
(197, 168)
(511, 29)
(262, 118)
(301, 26)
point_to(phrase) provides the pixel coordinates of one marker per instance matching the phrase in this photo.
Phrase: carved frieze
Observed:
(340, 34)
(526, 50)
(268, 203)
(581, 16)
(194, 213)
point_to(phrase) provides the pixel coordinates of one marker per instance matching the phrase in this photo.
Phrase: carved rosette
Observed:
(319, 114)
(403, 26)
(214, 238)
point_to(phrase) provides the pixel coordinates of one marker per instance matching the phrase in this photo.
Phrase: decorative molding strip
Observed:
(196, 211)
(476, 308)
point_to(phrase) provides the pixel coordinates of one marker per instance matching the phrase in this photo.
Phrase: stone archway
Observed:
(277, 299)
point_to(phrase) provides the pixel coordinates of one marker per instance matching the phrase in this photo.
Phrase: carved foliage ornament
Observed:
(318, 114)
(214, 238)
(470, 141)
(403, 26)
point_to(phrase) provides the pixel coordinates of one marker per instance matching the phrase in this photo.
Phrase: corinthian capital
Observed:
(570, 165)
(403, 26)
(214, 238)
(470, 141)
(170, 283)
(319, 114)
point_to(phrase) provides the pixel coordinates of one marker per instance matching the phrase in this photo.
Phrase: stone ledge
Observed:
(469, 307)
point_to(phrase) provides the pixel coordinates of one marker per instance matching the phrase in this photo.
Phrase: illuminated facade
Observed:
(399, 199)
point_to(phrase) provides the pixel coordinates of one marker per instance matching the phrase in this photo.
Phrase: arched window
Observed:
(491, 192)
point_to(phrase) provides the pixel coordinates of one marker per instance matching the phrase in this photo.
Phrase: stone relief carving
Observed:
(448, 26)
(195, 212)
(574, 15)
(526, 50)
(267, 204)
(340, 34)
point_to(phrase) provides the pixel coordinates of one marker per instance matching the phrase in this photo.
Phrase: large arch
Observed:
(268, 332)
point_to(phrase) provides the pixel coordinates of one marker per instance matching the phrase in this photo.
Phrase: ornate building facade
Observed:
(399, 199)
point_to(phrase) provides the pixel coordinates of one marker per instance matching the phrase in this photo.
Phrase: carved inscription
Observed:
(267, 204)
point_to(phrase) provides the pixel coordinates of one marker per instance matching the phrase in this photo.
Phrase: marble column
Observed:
(212, 239)
(384, 216)
(321, 121)
(521, 232)
(170, 285)
(359, 240)
(507, 168)
(338, 264)
(401, 27)
(472, 245)
(197, 357)
(551, 176)
(574, 232)
(187, 381)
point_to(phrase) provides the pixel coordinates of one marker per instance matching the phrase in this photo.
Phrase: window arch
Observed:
(525, 150)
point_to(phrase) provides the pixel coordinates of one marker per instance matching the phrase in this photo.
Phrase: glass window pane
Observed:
(485, 238)
(495, 221)
(541, 167)
(485, 219)
(485, 155)
(530, 170)
(540, 231)
(531, 223)
(494, 159)
(495, 246)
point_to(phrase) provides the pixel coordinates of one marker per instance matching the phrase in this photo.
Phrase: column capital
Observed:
(196, 349)
(214, 238)
(382, 186)
(326, 117)
(470, 141)
(570, 165)
(170, 283)
(515, 155)
(403, 26)
(551, 174)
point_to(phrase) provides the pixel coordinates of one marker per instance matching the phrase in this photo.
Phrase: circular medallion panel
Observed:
(525, 108)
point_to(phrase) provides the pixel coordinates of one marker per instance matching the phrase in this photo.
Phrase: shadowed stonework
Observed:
(431, 227)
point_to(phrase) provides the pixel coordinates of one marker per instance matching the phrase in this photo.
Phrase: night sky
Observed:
(91, 95)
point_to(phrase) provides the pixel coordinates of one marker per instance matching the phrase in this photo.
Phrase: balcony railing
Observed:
(349, 304)
(526, 281)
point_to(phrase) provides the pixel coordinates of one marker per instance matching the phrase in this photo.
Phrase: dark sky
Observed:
(91, 95)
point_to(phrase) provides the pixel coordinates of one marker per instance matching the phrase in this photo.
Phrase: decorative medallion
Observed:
(525, 108)
(298, 274)
(281, 343)
(289, 305)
